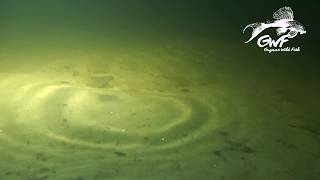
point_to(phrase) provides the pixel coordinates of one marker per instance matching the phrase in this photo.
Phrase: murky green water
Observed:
(93, 90)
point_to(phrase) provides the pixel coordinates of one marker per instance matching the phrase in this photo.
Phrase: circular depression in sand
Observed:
(101, 118)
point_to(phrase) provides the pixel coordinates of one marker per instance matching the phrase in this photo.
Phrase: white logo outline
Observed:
(284, 21)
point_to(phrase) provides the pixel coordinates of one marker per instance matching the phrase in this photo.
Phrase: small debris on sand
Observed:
(80, 178)
(100, 80)
(163, 139)
(120, 154)
(64, 82)
(185, 90)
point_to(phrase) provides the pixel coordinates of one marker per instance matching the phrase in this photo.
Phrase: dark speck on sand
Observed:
(80, 178)
(185, 90)
(120, 154)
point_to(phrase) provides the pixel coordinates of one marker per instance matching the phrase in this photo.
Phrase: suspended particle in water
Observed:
(163, 139)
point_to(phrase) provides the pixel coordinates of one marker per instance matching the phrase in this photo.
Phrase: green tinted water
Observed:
(138, 91)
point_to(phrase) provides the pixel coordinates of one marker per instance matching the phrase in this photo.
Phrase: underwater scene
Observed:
(158, 90)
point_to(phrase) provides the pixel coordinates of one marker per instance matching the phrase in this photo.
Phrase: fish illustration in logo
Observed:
(284, 23)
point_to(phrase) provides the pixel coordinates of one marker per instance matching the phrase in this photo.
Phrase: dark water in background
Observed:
(121, 89)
